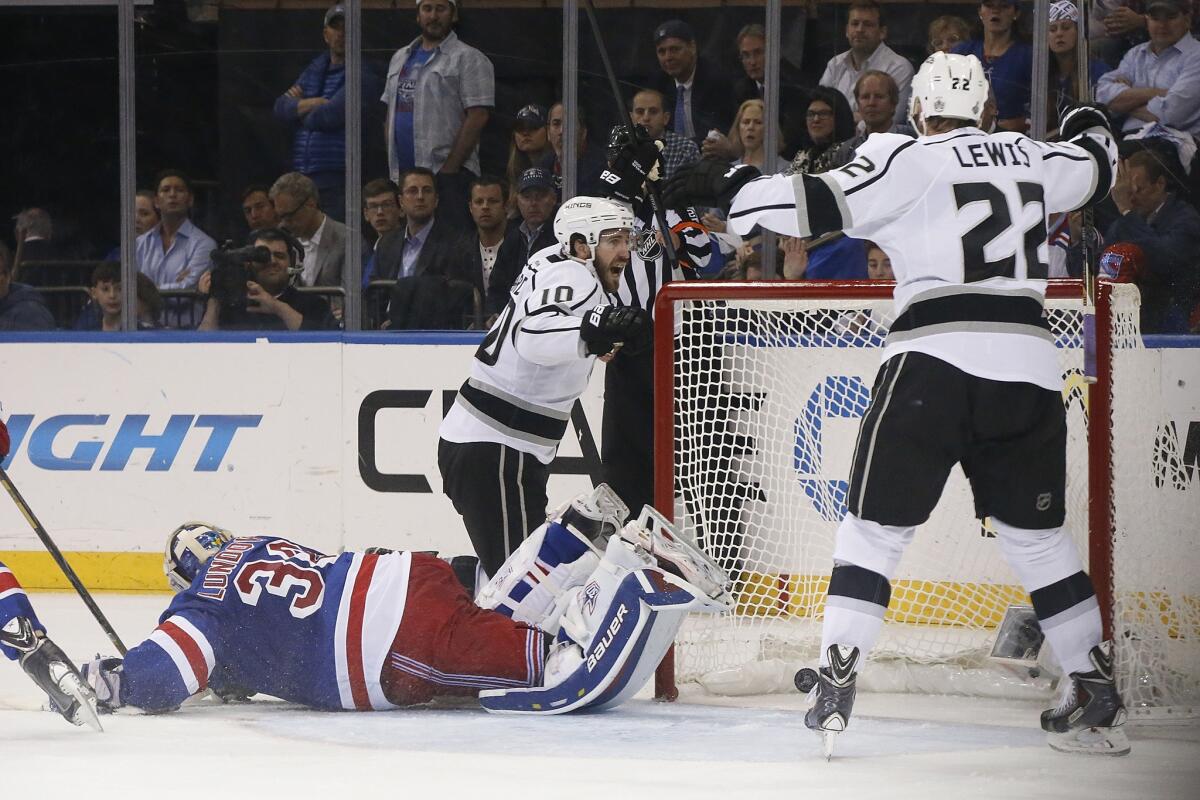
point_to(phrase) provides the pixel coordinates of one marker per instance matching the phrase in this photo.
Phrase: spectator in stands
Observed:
(530, 147)
(823, 258)
(296, 200)
(1167, 229)
(1006, 59)
(487, 254)
(21, 306)
(1062, 39)
(272, 301)
(424, 244)
(751, 46)
(866, 31)
(537, 202)
(646, 109)
(315, 106)
(174, 253)
(257, 208)
(591, 159)
(104, 311)
(1159, 81)
(145, 217)
(877, 96)
(1114, 26)
(439, 95)
(879, 266)
(34, 234)
(697, 93)
(748, 136)
(381, 210)
(946, 32)
(829, 122)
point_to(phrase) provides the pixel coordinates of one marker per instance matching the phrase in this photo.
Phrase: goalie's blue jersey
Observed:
(270, 616)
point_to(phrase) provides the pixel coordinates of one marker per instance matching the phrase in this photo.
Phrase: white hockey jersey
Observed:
(962, 215)
(532, 365)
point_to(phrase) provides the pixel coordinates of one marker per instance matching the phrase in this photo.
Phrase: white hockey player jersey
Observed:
(532, 365)
(962, 215)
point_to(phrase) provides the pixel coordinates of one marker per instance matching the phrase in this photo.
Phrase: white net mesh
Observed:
(1156, 518)
(768, 396)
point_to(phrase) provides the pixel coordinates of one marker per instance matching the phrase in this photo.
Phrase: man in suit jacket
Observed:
(699, 96)
(793, 98)
(35, 242)
(324, 239)
(423, 245)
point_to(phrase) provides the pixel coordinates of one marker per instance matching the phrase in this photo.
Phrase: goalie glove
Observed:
(103, 675)
(605, 326)
(633, 159)
(52, 671)
(1082, 118)
(708, 182)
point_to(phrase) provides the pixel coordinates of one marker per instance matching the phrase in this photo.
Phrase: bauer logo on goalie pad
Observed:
(613, 628)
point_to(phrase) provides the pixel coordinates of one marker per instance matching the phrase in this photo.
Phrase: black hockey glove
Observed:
(632, 160)
(708, 182)
(1083, 117)
(606, 325)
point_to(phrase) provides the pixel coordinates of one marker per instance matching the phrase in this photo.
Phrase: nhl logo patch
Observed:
(647, 245)
(939, 105)
(590, 593)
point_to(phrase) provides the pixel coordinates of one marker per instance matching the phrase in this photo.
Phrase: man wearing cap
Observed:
(315, 106)
(530, 148)
(439, 94)
(698, 96)
(1158, 81)
(865, 31)
(532, 231)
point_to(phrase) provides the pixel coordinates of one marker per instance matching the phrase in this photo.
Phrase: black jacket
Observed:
(713, 105)
(314, 309)
(1170, 284)
(512, 259)
(23, 309)
(793, 104)
(436, 258)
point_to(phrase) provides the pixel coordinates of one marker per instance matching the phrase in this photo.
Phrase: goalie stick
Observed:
(57, 555)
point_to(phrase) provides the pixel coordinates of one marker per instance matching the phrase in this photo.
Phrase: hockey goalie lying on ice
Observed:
(578, 617)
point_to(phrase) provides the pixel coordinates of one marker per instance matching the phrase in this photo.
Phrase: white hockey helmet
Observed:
(589, 217)
(948, 85)
(189, 547)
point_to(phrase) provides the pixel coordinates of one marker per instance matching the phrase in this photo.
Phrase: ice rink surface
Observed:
(898, 746)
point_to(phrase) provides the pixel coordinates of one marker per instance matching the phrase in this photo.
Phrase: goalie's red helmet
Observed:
(1122, 262)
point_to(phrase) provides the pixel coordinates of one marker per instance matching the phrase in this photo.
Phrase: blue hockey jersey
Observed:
(274, 617)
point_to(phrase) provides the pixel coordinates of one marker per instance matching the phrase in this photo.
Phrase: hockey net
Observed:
(759, 391)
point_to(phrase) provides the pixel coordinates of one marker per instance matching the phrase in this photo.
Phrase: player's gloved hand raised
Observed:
(103, 675)
(633, 159)
(1082, 117)
(708, 182)
(606, 325)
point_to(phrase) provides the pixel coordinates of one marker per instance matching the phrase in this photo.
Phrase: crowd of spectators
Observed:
(446, 234)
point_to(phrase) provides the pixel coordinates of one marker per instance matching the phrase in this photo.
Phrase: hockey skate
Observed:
(655, 535)
(833, 696)
(53, 672)
(1090, 717)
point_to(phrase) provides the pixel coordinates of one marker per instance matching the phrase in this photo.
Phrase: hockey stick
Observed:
(660, 213)
(57, 555)
(1087, 227)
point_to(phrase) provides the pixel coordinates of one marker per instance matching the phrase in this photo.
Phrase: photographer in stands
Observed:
(251, 288)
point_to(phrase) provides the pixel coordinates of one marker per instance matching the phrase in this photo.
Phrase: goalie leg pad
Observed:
(652, 532)
(596, 515)
(631, 621)
(527, 588)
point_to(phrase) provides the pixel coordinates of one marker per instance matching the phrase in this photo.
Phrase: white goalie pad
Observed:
(596, 515)
(621, 624)
(529, 585)
(652, 532)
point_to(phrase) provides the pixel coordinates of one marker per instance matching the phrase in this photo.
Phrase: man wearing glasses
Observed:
(323, 239)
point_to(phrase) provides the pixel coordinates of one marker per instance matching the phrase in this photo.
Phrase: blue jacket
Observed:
(1170, 285)
(320, 140)
(23, 309)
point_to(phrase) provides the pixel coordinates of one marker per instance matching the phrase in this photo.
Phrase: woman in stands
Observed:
(748, 136)
(830, 122)
(1063, 38)
(1007, 59)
